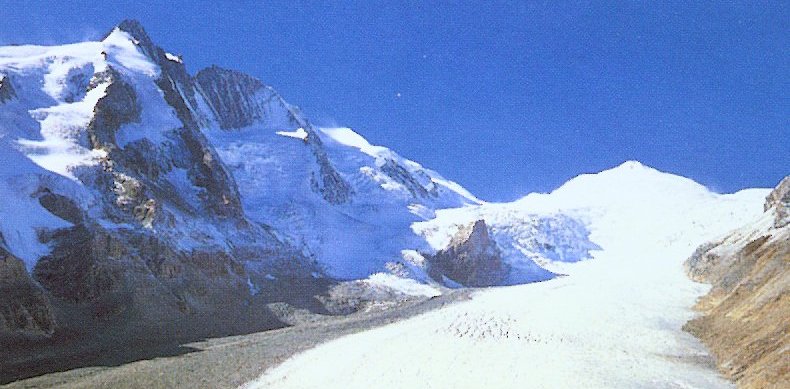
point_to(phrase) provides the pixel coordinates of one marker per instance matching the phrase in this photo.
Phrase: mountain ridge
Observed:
(145, 200)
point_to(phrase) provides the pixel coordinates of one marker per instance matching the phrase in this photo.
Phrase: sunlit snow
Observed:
(173, 57)
(615, 321)
(300, 133)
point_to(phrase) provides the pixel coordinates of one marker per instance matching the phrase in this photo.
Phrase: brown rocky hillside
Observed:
(746, 315)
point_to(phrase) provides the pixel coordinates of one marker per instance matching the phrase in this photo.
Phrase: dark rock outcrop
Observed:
(60, 206)
(6, 89)
(403, 177)
(239, 100)
(744, 321)
(117, 107)
(779, 200)
(174, 80)
(472, 258)
(24, 309)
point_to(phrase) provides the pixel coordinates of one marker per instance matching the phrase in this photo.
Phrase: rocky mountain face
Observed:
(134, 221)
(23, 305)
(142, 200)
(6, 89)
(238, 100)
(779, 201)
(744, 320)
(471, 258)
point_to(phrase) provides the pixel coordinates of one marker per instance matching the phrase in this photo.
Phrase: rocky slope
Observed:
(23, 306)
(745, 315)
(142, 200)
(471, 258)
(114, 199)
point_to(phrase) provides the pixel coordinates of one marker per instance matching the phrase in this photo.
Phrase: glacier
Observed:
(615, 321)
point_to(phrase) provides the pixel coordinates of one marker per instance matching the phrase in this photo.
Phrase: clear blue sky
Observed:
(504, 98)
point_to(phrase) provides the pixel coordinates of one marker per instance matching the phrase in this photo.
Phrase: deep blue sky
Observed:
(504, 98)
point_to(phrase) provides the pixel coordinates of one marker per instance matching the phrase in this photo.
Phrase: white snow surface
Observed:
(43, 137)
(352, 240)
(614, 322)
(44, 140)
(300, 133)
(173, 57)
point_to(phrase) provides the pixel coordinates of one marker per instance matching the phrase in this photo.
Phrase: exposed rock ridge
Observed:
(238, 100)
(779, 200)
(117, 107)
(174, 77)
(472, 258)
(163, 238)
(744, 320)
(6, 89)
(23, 307)
(403, 177)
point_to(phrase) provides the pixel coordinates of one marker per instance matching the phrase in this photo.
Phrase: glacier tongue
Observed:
(614, 322)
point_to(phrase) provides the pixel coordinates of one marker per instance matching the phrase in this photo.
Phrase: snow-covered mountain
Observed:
(135, 187)
(135, 192)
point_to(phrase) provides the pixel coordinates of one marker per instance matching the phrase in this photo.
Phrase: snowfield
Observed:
(615, 320)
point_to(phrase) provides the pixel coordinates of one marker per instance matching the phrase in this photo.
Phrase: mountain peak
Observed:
(135, 29)
(215, 71)
(632, 165)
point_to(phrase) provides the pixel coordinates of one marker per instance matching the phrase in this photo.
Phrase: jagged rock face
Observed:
(402, 176)
(116, 108)
(333, 188)
(6, 89)
(744, 320)
(23, 307)
(472, 258)
(189, 148)
(151, 230)
(238, 100)
(60, 206)
(132, 276)
(779, 199)
(90, 265)
(174, 81)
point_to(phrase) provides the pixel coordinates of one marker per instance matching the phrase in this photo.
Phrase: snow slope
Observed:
(272, 166)
(43, 136)
(345, 203)
(353, 207)
(615, 321)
